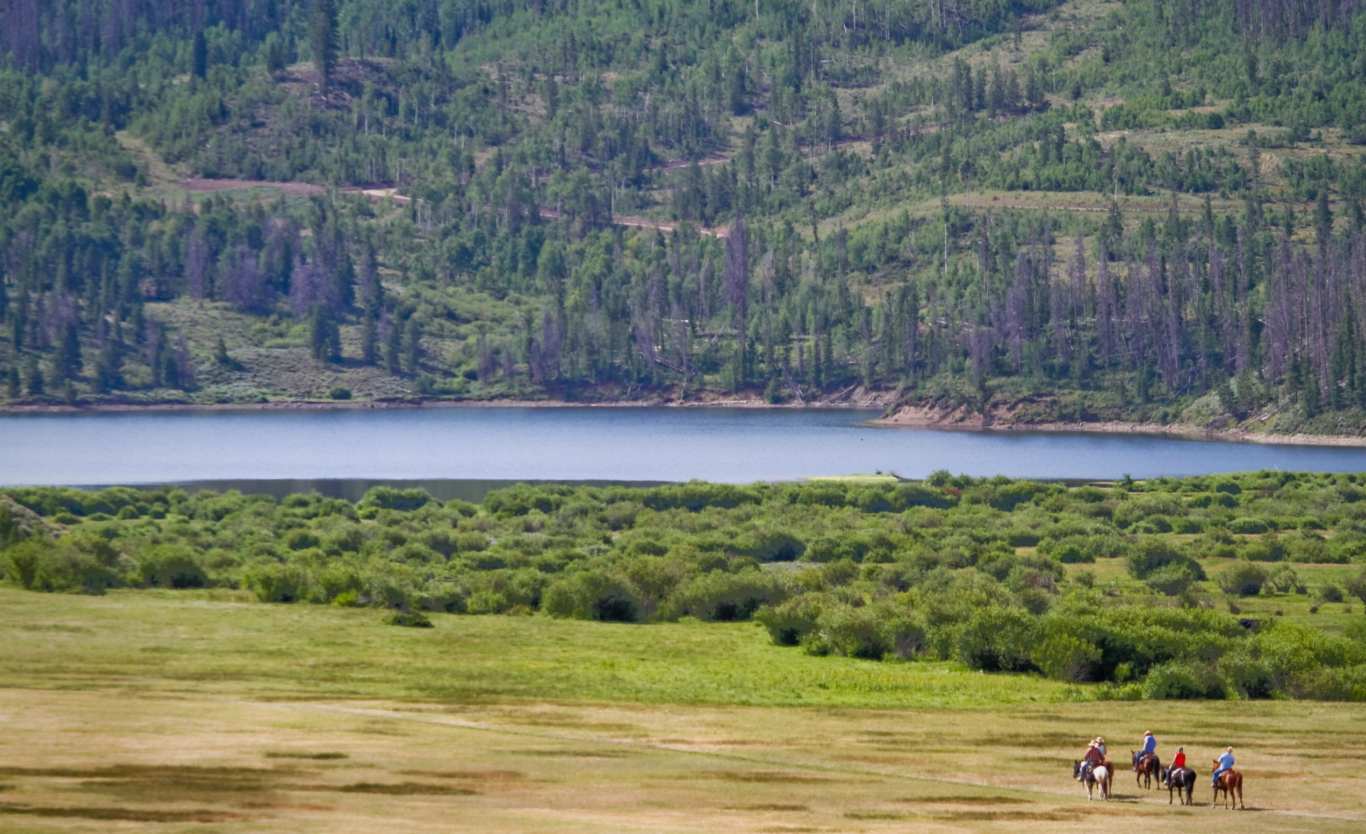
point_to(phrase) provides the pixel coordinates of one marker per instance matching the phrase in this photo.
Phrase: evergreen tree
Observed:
(66, 363)
(412, 338)
(369, 341)
(324, 335)
(34, 377)
(184, 364)
(199, 56)
(393, 347)
(322, 37)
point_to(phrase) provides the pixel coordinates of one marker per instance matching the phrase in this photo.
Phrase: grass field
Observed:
(206, 713)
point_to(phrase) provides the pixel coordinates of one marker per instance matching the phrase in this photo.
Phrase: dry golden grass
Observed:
(106, 747)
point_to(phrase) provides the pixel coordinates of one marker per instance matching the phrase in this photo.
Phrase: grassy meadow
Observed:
(207, 711)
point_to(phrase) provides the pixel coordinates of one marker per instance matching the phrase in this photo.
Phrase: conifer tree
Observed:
(322, 37)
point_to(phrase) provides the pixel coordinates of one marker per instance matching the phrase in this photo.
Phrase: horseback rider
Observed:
(1180, 760)
(1225, 763)
(1149, 748)
(1093, 757)
(1100, 745)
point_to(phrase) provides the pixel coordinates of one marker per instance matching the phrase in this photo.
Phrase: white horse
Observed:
(1097, 777)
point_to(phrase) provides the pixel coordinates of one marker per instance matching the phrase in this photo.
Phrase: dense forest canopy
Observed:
(1236, 586)
(1146, 210)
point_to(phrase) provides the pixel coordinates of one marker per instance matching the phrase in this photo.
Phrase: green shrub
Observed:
(1356, 586)
(300, 539)
(769, 544)
(997, 639)
(850, 632)
(1175, 579)
(1181, 680)
(1264, 550)
(789, 622)
(1248, 526)
(76, 563)
(1284, 579)
(1247, 675)
(274, 582)
(171, 566)
(388, 498)
(724, 597)
(1072, 554)
(601, 595)
(1063, 657)
(1150, 555)
(1243, 579)
(339, 393)
(408, 619)
(1328, 592)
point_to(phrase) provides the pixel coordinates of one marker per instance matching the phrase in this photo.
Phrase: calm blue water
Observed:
(617, 444)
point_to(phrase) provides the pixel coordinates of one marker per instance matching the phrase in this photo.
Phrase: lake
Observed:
(583, 444)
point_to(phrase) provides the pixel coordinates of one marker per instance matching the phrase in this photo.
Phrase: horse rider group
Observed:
(1095, 754)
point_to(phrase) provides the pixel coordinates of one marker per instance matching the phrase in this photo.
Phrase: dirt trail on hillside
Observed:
(298, 189)
(645, 223)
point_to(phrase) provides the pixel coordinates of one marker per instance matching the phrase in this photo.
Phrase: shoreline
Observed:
(358, 405)
(919, 417)
(908, 417)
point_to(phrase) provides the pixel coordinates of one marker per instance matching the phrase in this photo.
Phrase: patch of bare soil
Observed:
(299, 189)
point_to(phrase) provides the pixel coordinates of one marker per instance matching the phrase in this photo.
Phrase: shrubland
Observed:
(1230, 586)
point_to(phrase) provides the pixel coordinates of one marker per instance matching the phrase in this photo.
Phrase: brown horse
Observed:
(1146, 768)
(1229, 781)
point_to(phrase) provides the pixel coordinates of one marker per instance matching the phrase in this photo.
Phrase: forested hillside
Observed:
(1147, 210)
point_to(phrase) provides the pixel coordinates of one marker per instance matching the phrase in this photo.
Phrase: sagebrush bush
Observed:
(1243, 579)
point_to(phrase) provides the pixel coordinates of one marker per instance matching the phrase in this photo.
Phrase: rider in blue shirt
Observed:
(1225, 763)
(1149, 745)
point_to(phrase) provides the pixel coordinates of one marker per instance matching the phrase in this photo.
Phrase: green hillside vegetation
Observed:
(1241, 586)
(1147, 210)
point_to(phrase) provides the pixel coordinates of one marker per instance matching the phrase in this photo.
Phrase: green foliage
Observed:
(1151, 555)
(1243, 579)
(516, 135)
(1064, 657)
(855, 571)
(997, 639)
(408, 619)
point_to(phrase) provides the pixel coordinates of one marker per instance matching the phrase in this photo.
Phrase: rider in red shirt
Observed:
(1180, 760)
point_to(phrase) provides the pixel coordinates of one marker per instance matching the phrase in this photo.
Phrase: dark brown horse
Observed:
(1177, 780)
(1229, 781)
(1146, 768)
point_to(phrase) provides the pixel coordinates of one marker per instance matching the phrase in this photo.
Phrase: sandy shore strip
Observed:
(916, 417)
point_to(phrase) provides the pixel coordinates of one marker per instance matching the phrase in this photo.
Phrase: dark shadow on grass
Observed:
(123, 814)
(394, 789)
